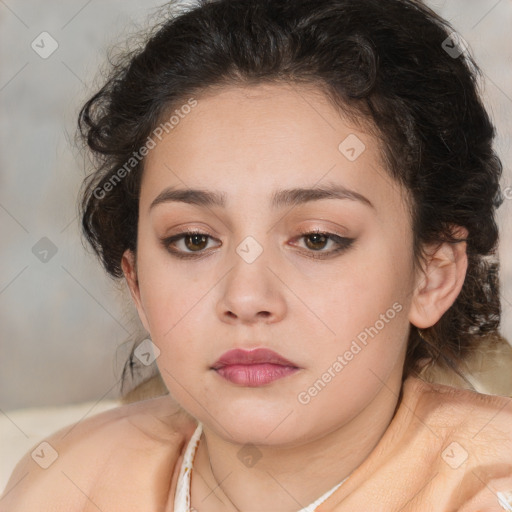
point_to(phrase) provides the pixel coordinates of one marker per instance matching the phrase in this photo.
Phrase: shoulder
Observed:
(442, 398)
(453, 405)
(106, 451)
(483, 422)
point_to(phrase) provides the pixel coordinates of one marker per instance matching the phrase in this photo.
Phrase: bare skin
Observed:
(248, 143)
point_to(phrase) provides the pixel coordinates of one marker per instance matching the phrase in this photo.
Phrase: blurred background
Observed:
(63, 322)
(62, 319)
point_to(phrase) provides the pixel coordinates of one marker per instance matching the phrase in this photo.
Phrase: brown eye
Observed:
(195, 242)
(189, 244)
(316, 241)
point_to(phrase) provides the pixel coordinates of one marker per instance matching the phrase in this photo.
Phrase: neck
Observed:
(288, 478)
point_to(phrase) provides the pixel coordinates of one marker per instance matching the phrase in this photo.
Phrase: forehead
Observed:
(262, 138)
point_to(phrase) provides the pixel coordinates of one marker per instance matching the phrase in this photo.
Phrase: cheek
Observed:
(165, 292)
(366, 308)
(366, 285)
(175, 305)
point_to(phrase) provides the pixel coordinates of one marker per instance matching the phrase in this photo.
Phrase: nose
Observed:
(252, 293)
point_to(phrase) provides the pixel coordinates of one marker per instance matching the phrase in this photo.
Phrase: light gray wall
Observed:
(62, 320)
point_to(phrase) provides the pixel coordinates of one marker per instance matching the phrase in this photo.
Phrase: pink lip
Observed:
(253, 368)
(259, 355)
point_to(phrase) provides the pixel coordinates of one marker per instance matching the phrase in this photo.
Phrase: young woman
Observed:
(301, 197)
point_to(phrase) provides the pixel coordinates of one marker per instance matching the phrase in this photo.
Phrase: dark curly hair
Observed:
(394, 66)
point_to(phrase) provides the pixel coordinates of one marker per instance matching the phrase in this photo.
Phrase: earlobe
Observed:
(440, 281)
(130, 273)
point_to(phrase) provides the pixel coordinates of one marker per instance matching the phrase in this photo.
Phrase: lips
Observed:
(253, 368)
(251, 357)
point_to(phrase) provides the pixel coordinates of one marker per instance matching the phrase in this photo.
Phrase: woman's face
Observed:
(337, 308)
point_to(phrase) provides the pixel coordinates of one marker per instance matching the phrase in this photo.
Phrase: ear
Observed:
(128, 264)
(440, 281)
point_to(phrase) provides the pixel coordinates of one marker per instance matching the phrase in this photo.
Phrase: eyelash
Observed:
(343, 243)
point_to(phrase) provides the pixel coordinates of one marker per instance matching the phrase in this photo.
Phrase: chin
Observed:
(259, 427)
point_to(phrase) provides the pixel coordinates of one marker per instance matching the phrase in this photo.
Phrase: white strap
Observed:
(182, 498)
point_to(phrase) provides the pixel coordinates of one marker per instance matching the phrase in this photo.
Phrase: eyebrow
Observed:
(280, 198)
